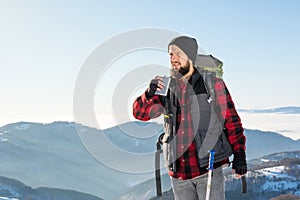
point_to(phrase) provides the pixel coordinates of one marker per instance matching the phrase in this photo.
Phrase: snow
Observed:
(23, 127)
(277, 179)
(264, 160)
(277, 172)
(7, 198)
(279, 185)
(3, 139)
(275, 169)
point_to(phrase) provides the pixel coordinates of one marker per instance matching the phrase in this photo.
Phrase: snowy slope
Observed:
(279, 180)
(270, 177)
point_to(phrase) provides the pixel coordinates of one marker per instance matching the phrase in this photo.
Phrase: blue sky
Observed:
(43, 45)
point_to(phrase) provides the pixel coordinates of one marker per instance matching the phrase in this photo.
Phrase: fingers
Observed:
(160, 83)
(237, 176)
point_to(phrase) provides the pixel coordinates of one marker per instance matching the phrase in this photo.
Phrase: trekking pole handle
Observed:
(211, 160)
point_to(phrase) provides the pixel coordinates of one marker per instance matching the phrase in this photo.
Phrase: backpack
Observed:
(209, 67)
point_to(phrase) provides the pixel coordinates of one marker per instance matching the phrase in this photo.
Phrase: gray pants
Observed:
(195, 189)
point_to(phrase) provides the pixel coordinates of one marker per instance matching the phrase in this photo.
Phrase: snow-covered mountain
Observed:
(268, 177)
(52, 155)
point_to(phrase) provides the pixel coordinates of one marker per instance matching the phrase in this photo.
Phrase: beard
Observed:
(181, 72)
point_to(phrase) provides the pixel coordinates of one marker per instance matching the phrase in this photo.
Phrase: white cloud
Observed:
(285, 124)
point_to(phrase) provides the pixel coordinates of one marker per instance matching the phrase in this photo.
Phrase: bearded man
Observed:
(190, 122)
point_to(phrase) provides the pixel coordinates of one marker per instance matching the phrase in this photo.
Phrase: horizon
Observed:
(268, 122)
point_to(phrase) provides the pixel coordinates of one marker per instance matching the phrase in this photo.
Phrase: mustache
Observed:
(172, 63)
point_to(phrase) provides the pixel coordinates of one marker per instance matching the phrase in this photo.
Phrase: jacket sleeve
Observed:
(147, 108)
(232, 121)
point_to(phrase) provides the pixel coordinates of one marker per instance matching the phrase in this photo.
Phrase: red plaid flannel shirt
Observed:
(187, 165)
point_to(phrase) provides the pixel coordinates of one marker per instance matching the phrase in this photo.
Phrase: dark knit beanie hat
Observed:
(187, 44)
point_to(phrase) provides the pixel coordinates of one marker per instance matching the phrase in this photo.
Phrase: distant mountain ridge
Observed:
(260, 143)
(52, 155)
(13, 189)
(281, 110)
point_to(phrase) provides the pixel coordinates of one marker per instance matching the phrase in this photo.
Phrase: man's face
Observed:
(178, 59)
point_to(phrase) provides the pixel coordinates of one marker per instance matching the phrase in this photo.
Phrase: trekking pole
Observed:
(210, 170)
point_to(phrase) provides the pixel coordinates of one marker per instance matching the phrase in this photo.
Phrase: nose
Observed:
(173, 58)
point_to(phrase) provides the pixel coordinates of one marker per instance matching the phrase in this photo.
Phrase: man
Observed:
(193, 125)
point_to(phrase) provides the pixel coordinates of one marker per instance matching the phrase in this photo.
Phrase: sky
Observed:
(45, 44)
